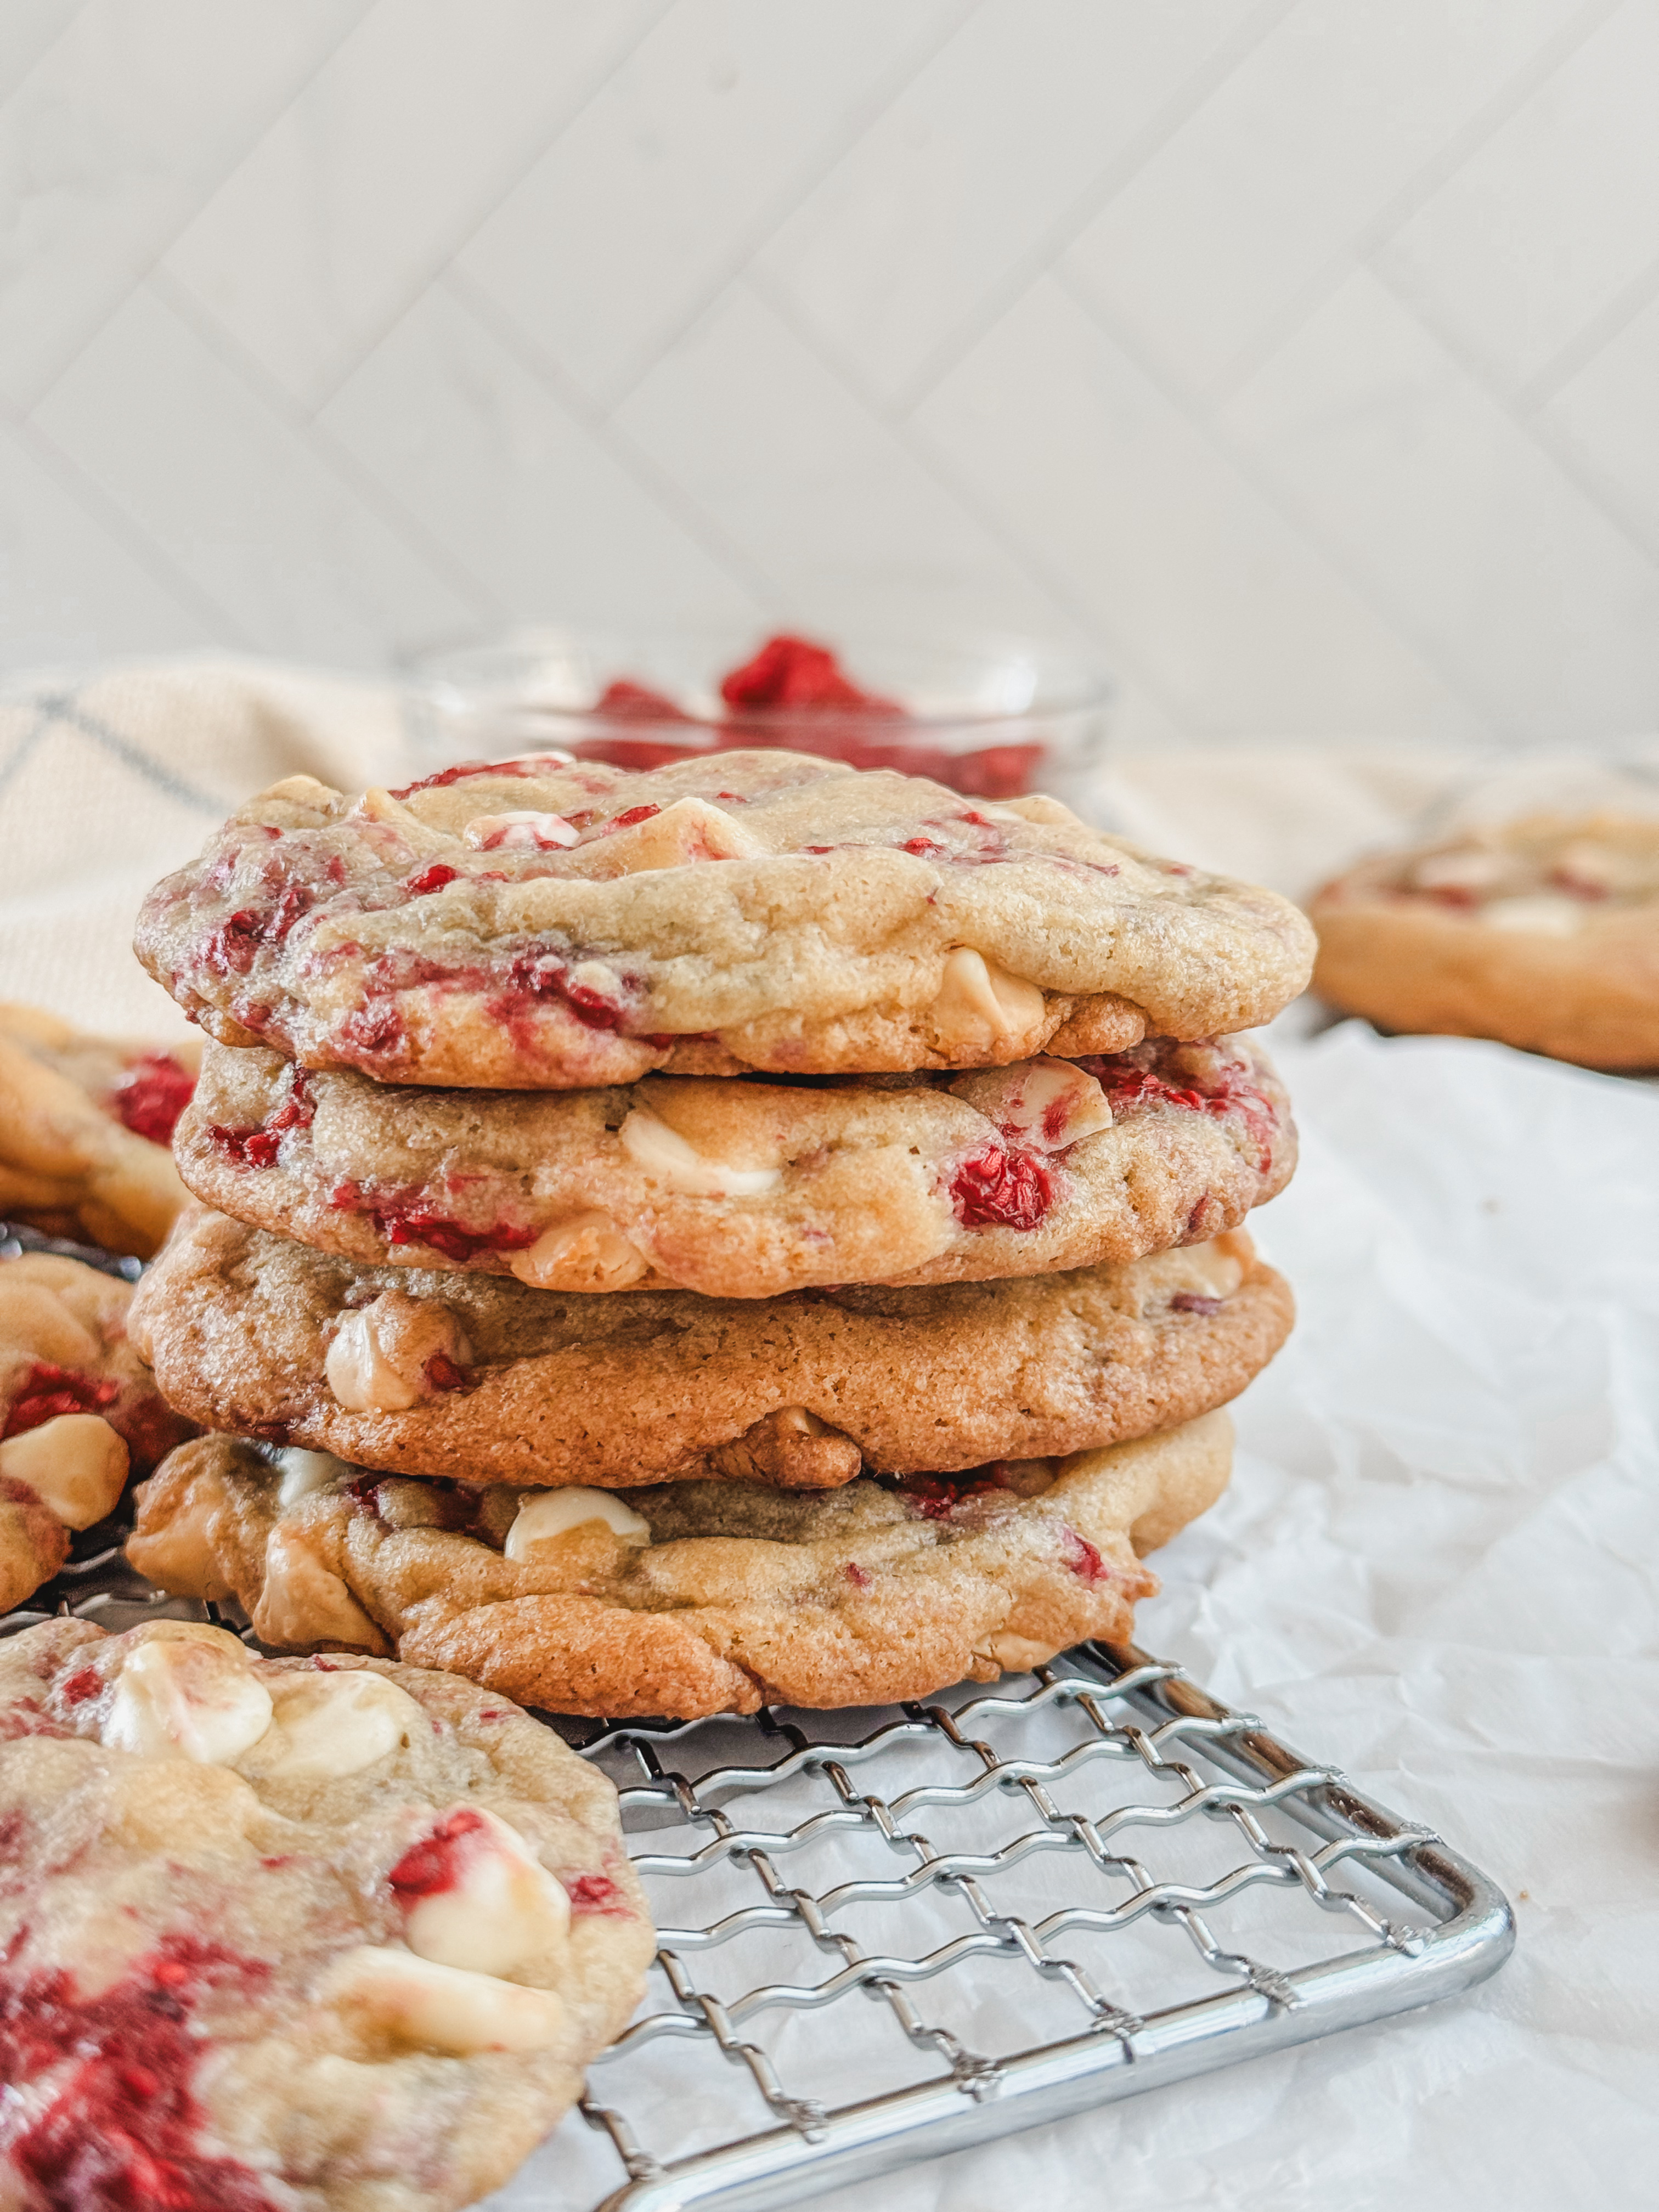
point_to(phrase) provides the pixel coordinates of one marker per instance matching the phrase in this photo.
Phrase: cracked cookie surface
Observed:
(85, 1124)
(690, 1598)
(480, 1378)
(286, 1935)
(78, 1408)
(1543, 934)
(748, 1188)
(547, 924)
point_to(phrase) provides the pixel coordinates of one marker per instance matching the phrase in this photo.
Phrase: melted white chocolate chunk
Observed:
(690, 829)
(327, 1725)
(75, 1465)
(500, 1908)
(1548, 914)
(663, 1153)
(304, 1473)
(588, 1252)
(543, 1515)
(521, 832)
(390, 1997)
(188, 1696)
(361, 1377)
(978, 1002)
(1049, 1104)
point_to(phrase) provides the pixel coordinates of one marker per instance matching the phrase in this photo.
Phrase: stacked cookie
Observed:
(748, 1231)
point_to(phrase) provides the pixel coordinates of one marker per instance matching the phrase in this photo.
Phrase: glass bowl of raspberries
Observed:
(994, 718)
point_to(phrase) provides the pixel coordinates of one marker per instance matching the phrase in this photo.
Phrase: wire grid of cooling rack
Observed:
(887, 1935)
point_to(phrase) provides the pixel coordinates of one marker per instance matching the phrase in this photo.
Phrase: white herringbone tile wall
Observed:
(1301, 356)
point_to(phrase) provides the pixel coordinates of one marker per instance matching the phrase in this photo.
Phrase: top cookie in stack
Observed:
(753, 1118)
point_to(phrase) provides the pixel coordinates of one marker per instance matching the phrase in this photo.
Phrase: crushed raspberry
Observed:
(151, 1095)
(373, 1029)
(86, 1682)
(229, 950)
(995, 1188)
(920, 845)
(1193, 1302)
(258, 1147)
(402, 1218)
(792, 672)
(533, 764)
(120, 2130)
(936, 1497)
(431, 880)
(364, 1491)
(629, 817)
(439, 1861)
(596, 1893)
(1131, 1079)
(544, 976)
(1578, 887)
(1082, 1558)
(624, 701)
(441, 1373)
(48, 1391)
(24, 1716)
(858, 1575)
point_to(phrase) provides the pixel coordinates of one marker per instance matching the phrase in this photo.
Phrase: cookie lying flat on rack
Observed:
(748, 1188)
(692, 1598)
(478, 1377)
(85, 1123)
(287, 1937)
(1543, 934)
(544, 924)
(77, 1408)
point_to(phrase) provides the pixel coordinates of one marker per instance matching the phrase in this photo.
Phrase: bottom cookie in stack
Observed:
(684, 1598)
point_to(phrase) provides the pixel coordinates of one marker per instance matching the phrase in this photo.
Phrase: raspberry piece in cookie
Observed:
(1543, 934)
(78, 1408)
(699, 1597)
(541, 924)
(278, 1933)
(748, 1188)
(482, 1378)
(85, 1124)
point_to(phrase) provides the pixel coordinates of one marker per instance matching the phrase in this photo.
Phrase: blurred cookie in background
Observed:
(86, 1127)
(1541, 933)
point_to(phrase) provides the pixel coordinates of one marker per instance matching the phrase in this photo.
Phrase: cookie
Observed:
(545, 925)
(77, 1408)
(1543, 934)
(85, 1123)
(692, 1597)
(748, 1188)
(291, 1936)
(480, 1378)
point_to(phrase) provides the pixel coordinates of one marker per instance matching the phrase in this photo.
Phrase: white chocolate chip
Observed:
(588, 1252)
(392, 1996)
(361, 1377)
(1015, 1655)
(188, 1697)
(1546, 913)
(690, 829)
(303, 1602)
(304, 1473)
(663, 1153)
(545, 1514)
(979, 1003)
(378, 1360)
(500, 1908)
(1465, 868)
(521, 832)
(329, 1724)
(1050, 1105)
(75, 1465)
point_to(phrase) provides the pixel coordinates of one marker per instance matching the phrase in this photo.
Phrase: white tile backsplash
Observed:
(1301, 357)
(685, 161)
(1456, 517)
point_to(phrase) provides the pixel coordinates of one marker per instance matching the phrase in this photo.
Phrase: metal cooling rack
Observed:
(1118, 1883)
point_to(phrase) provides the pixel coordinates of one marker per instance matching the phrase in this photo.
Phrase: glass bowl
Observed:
(993, 719)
